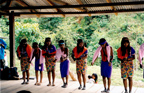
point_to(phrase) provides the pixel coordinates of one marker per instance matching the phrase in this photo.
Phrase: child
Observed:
(106, 63)
(37, 53)
(90, 79)
(62, 55)
(95, 77)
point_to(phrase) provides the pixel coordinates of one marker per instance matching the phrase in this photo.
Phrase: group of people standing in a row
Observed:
(49, 54)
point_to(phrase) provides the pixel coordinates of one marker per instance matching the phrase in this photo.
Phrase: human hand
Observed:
(92, 63)
(141, 66)
(109, 63)
(1, 45)
(78, 58)
(124, 60)
(54, 60)
(19, 58)
(29, 61)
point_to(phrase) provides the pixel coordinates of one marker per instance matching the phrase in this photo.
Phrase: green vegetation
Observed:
(90, 29)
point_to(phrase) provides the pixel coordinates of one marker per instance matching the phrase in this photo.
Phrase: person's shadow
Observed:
(24, 91)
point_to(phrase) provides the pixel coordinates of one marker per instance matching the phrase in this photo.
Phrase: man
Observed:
(3, 46)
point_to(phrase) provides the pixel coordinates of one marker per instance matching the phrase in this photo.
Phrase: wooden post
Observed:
(12, 39)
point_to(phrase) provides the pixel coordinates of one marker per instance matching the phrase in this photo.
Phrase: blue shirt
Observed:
(2, 48)
(132, 52)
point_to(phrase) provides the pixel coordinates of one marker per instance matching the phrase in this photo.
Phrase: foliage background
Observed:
(90, 29)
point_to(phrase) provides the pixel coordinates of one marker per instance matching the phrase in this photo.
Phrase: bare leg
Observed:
(63, 83)
(27, 72)
(41, 76)
(23, 73)
(130, 84)
(36, 76)
(79, 79)
(125, 84)
(104, 82)
(36, 73)
(53, 76)
(109, 83)
(49, 78)
(67, 79)
(63, 80)
(84, 79)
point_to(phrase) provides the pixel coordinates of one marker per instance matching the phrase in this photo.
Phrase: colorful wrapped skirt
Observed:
(127, 70)
(50, 65)
(64, 68)
(25, 65)
(81, 66)
(106, 70)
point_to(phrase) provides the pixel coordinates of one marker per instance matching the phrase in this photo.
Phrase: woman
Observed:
(24, 53)
(37, 53)
(126, 54)
(106, 63)
(49, 52)
(62, 56)
(80, 54)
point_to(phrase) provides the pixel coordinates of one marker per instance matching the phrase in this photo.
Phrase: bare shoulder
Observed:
(111, 47)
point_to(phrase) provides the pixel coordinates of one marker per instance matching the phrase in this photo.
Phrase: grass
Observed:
(116, 80)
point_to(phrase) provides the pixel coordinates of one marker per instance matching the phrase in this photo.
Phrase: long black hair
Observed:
(21, 43)
(78, 48)
(96, 77)
(45, 45)
(123, 48)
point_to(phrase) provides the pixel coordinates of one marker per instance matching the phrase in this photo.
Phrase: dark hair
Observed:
(61, 41)
(123, 49)
(96, 77)
(47, 39)
(103, 40)
(23, 41)
(89, 76)
(35, 43)
(78, 48)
